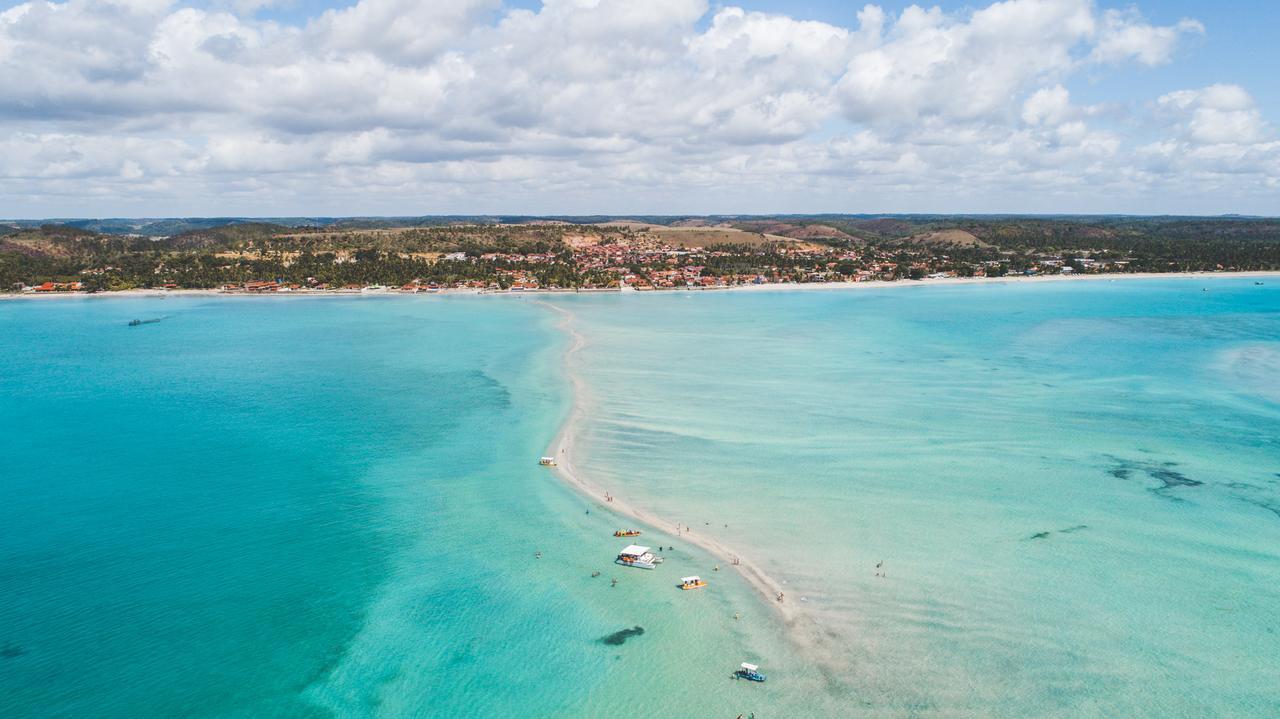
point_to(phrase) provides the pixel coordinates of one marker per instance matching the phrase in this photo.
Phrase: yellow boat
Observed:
(692, 583)
(627, 533)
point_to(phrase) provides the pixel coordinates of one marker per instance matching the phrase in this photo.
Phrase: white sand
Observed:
(775, 287)
(881, 284)
(562, 448)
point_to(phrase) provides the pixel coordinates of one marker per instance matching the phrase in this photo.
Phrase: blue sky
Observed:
(255, 107)
(1239, 46)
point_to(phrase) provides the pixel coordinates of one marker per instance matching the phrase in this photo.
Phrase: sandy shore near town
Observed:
(1109, 276)
(562, 448)
(775, 287)
(882, 284)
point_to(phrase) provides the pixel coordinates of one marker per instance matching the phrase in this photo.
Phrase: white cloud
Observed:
(583, 105)
(1218, 131)
(1125, 36)
(400, 31)
(1048, 106)
(1216, 115)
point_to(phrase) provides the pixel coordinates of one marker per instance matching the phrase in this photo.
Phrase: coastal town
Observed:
(650, 267)
(563, 256)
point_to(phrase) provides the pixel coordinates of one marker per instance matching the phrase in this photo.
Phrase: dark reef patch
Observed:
(1068, 530)
(1170, 478)
(621, 636)
(11, 651)
(1262, 504)
(1162, 472)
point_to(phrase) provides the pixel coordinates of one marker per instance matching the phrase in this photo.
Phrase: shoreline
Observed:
(771, 287)
(562, 448)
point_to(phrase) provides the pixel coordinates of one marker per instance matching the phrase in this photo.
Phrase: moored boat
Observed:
(692, 583)
(750, 672)
(627, 533)
(636, 556)
(547, 461)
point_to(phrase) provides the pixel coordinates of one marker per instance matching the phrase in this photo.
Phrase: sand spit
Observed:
(562, 448)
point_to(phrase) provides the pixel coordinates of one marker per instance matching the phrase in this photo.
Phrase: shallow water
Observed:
(323, 507)
(1072, 487)
(330, 506)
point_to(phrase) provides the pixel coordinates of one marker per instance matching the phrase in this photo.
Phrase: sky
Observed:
(133, 108)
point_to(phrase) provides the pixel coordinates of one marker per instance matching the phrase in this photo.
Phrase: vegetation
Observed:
(575, 252)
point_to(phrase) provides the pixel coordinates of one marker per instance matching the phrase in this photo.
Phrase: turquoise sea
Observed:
(315, 507)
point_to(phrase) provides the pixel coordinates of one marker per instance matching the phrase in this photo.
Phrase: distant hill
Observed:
(223, 236)
(797, 230)
(944, 238)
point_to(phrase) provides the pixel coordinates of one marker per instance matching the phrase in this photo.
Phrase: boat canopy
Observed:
(634, 550)
(546, 459)
(690, 580)
(750, 667)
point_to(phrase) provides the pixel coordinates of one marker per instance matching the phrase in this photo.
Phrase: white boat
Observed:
(547, 461)
(749, 671)
(633, 555)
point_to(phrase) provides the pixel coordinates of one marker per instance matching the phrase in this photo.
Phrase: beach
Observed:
(767, 287)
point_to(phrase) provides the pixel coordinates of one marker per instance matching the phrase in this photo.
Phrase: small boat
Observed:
(692, 583)
(547, 461)
(636, 556)
(627, 533)
(135, 323)
(750, 672)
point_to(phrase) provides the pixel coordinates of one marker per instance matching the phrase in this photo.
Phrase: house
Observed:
(58, 287)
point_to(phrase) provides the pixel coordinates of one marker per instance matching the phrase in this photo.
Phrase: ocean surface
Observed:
(323, 507)
(1022, 499)
(331, 507)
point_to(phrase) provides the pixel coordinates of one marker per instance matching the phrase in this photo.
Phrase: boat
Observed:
(692, 583)
(750, 672)
(627, 533)
(634, 555)
(547, 461)
(135, 323)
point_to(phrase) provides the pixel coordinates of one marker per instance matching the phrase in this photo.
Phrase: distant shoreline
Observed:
(775, 287)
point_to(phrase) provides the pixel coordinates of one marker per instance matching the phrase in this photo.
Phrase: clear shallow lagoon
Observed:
(322, 507)
(329, 507)
(1074, 487)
